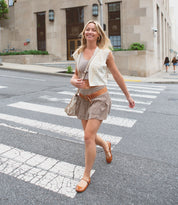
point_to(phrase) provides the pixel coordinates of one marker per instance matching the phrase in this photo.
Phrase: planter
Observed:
(136, 63)
(27, 59)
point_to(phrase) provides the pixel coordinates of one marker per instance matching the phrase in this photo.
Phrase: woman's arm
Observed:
(76, 81)
(119, 79)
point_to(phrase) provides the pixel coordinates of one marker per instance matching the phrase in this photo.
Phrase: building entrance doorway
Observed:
(41, 31)
(75, 24)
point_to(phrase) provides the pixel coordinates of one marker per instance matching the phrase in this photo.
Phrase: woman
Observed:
(95, 102)
(166, 63)
(174, 61)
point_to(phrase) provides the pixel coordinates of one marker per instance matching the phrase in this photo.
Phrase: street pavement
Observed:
(36, 167)
(58, 68)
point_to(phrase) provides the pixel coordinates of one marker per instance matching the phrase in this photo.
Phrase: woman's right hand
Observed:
(77, 82)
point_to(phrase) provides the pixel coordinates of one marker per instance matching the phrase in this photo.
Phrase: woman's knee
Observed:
(89, 138)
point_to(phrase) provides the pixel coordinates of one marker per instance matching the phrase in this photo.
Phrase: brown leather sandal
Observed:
(109, 159)
(82, 189)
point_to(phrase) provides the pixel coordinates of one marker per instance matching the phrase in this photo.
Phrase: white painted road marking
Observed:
(125, 122)
(134, 95)
(114, 93)
(49, 98)
(23, 78)
(114, 106)
(140, 87)
(72, 133)
(136, 101)
(48, 173)
(125, 108)
(1, 87)
(136, 90)
(147, 86)
(17, 128)
(66, 100)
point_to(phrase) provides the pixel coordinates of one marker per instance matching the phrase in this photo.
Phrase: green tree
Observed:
(3, 9)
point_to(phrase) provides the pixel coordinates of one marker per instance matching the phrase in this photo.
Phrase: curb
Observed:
(38, 72)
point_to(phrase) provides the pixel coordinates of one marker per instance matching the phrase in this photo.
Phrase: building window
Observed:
(114, 24)
(116, 41)
(75, 22)
(11, 2)
(75, 15)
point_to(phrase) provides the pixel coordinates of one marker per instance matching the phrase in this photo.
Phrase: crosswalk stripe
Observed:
(133, 95)
(125, 108)
(146, 88)
(139, 91)
(23, 78)
(57, 176)
(121, 100)
(73, 134)
(143, 87)
(60, 112)
(151, 86)
(66, 93)
(136, 101)
(49, 98)
(114, 93)
(18, 128)
(114, 106)
(66, 100)
(1, 87)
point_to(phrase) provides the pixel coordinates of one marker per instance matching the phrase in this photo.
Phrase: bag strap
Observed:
(86, 68)
(88, 64)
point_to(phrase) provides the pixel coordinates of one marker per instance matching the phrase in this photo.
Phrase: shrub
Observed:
(28, 52)
(137, 46)
(69, 69)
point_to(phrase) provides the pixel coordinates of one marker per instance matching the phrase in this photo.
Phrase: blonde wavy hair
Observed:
(102, 42)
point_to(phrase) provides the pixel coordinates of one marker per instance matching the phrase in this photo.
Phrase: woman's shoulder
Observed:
(105, 51)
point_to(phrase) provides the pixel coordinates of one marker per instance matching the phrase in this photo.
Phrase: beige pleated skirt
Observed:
(98, 108)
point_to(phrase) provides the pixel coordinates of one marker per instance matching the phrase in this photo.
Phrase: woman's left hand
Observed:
(131, 102)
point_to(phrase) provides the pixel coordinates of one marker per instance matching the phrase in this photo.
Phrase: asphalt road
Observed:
(42, 150)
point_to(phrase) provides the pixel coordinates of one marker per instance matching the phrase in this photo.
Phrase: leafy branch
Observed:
(3, 9)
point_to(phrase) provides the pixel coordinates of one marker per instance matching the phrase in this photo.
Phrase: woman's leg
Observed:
(90, 132)
(99, 141)
(90, 145)
(166, 68)
(174, 67)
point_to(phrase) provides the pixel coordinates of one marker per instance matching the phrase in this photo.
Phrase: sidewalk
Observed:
(59, 68)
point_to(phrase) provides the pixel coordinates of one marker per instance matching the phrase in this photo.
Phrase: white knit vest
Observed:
(98, 71)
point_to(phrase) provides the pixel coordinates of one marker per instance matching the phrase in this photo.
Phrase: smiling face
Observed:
(91, 33)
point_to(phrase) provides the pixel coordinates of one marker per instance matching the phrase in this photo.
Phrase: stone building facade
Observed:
(55, 26)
